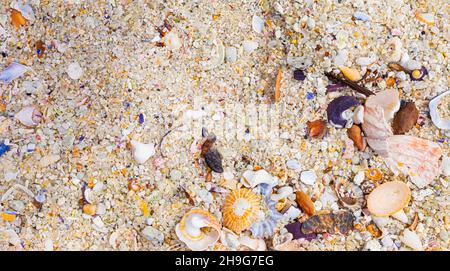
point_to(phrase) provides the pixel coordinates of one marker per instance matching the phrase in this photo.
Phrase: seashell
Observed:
(373, 174)
(349, 193)
(17, 19)
(172, 41)
(354, 133)
(439, 122)
(257, 24)
(341, 222)
(282, 193)
(240, 209)
(317, 128)
(278, 85)
(219, 57)
(142, 152)
(339, 111)
(358, 115)
(13, 71)
(445, 166)
(198, 229)
(296, 230)
(425, 18)
(293, 164)
(361, 16)
(88, 195)
(253, 244)
(389, 100)
(350, 74)
(411, 239)
(308, 177)
(393, 52)
(229, 239)
(249, 46)
(291, 213)
(29, 116)
(418, 74)
(405, 119)
(89, 209)
(25, 10)
(299, 75)
(74, 71)
(388, 198)
(252, 178)
(400, 216)
(366, 61)
(267, 220)
(213, 159)
(305, 202)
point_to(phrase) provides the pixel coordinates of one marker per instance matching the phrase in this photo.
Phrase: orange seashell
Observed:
(133, 184)
(240, 209)
(388, 198)
(89, 209)
(17, 19)
(374, 230)
(305, 202)
(373, 174)
(317, 128)
(278, 85)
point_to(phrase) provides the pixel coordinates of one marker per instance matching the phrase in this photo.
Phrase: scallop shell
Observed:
(240, 209)
(219, 55)
(13, 71)
(441, 123)
(198, 229)
(388, 198)
(251, 178)
(29, 116)
(142, 152)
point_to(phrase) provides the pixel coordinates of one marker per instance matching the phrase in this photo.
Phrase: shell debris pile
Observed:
(224, 125)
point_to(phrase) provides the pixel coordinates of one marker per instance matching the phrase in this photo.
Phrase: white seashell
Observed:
(172, 41)
(142, 152)
(401, 216)
(13, 71)
(446, 166)
(412, 65)
(394, 50)
(250, 46)
(282, 193)
(381, 222)
(308, 177)
(74, 71)
(358, 115)
(253, 244)
(359, 178)
(228, 176)
(258, 24)
(293, 164)
(155, 236)
(404, 59)
(251, 179)
(372, 245)
(88, 195)
(230, 54)
(411, 239)
(229, 239)
(366, 61)
(219, 57)
(25, 9)
(292, 213)
(440, 123)
(29, 116)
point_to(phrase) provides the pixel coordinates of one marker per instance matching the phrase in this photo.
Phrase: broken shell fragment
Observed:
(198, 229)
(142, 152)
(425, 18)
(418, 74)
(389, 100)
(218, 55)
(405, 119)
(329, 223)
(440, 122)
(350, 74)
(358, 115)
(388, 198)
(172, 41)
(317, 128)
(295, 230)
(282, 193)
(252, 178)
(305, 202)
(29, 116)
(400, 216)
(240, 209)
(257, 24)
(411, 239)
(393, 52)
(213, 159)
(267, 220)
(339, 111)
(349, 193)
(354, 133)
(13, 71)
(17, 19)
(252, 243)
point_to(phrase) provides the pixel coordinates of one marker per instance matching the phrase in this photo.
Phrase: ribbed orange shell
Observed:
(239, 223)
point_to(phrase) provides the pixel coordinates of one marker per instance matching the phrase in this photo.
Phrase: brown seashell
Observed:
(341, 222)
(354, 133)
(317, 128)
(405, 119)
(278, 85)
(17, 19)
(305, 202)
(89, 209)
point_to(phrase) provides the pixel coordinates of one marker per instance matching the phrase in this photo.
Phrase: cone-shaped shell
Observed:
(388, 198)
(198, 229)
(240, 209)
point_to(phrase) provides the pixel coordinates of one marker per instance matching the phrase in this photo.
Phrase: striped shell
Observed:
(198, 229)
(240, 209)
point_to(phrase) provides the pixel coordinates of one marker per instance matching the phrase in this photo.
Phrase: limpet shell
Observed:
(29, 116)
(440, 123)
(388, 198)
(240, 209)
(198, 229)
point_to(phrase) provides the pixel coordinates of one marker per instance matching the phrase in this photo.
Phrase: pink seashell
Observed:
(29, 116)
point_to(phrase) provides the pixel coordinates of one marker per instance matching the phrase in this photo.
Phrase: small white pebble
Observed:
(308, 177)
(74, 71)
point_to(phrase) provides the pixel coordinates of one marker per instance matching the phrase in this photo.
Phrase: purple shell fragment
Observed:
(335, 87)
(295, 230)
(12, 72)
(299, 75)
(418, 75)
(338, 110)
